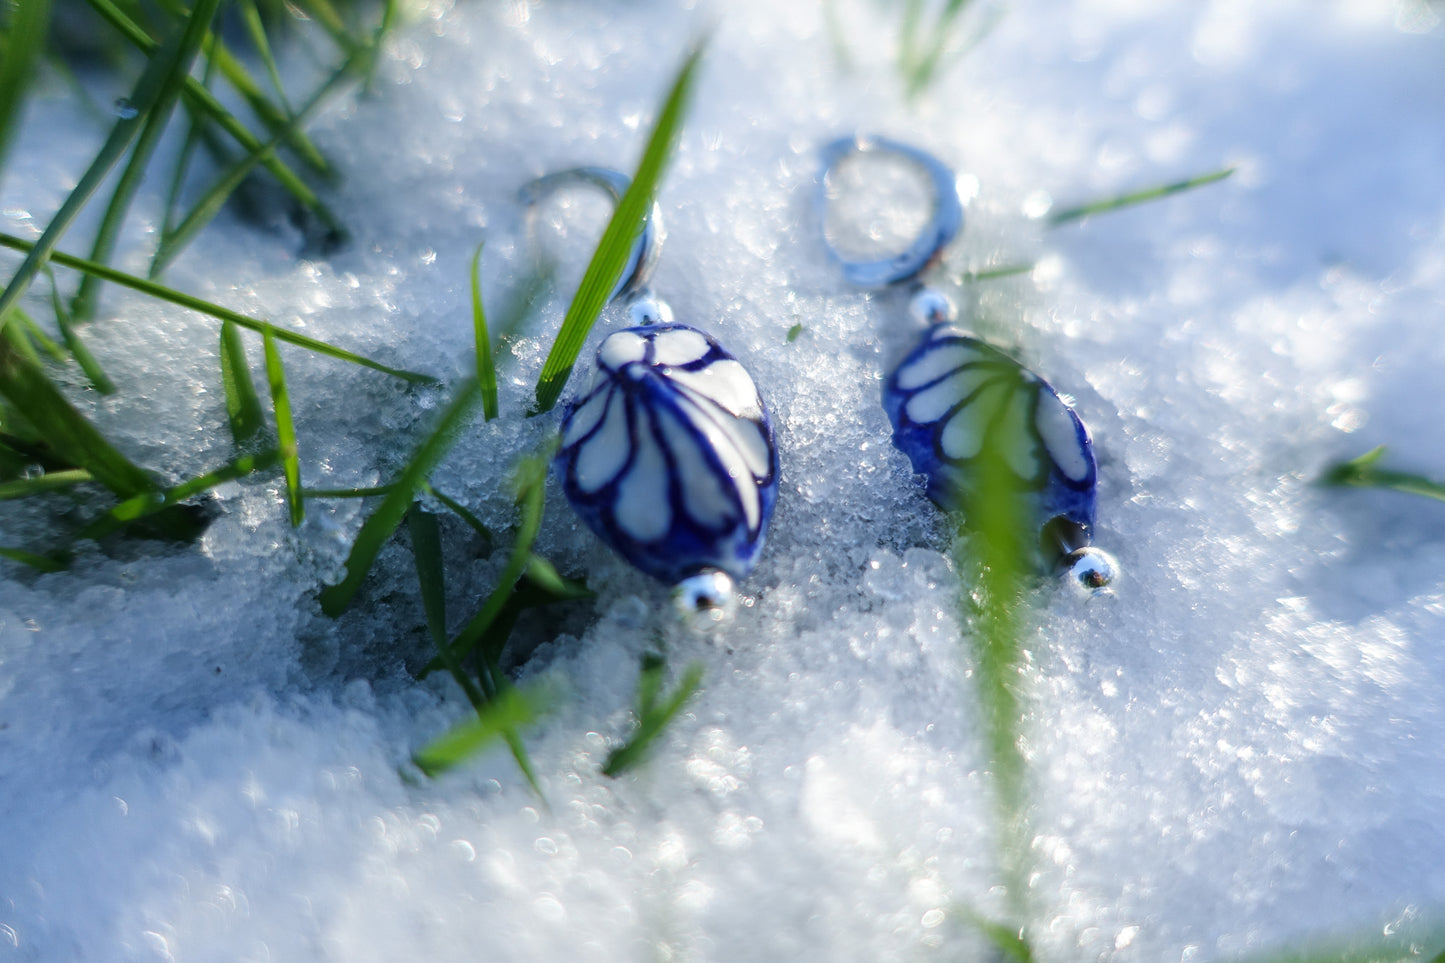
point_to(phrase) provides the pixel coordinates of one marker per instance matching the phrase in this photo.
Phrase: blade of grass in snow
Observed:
(193, 139)
(215, 198)
(164, 293)
(1136, 197)
(378, 528)
(93, 371)
(63, 428)
(514, 709)
(608, 261)
(531, 493)
(1009, 942)
(207, 104)
(50, 481)
(24, 42)
(243, 404)
(43, 563)
(256, 30)
(36, 336)
(994, 273)
(149, 89)
(153, 503)
(486, 367)
(156, 117)
(426, 551)
(544, 575)
(347, 492)
(465, 514)
(285, 429)
(652, 717)
(1361, 473)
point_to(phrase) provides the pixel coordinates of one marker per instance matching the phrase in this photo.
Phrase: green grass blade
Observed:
(157, 117)
(147, 91)
(995, 273)
(378, 528)
(426, 551)
(464, 513)
(93, 371)
(346, 492)
(206, 104)
(164, 293)
(187, 152)
(514, 709)
(243, 404)
(24, 43)
(154, 503)
(531, 495)
(42, 562)
(50, 481)
(542, 574)
(1136, 197)
(653, 718)
(605, 268)
(325, 14)
(215, 198)
(65, 431)
(1361, 473)
(36, 336)
(1008, 941)
(486, 367)
(285, 429)
(256, 30)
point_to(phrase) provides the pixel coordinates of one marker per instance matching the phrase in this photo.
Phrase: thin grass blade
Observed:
(24, 42)
(1136, 197)
(515, 709)
(285, 429)
(464, 513)
(206, 103)
(73, 342)
(243, 404)
(486, 367)
(608, 261)
(653, 723)
(50, 481)
(215, 198)
(426, 550)
(995, 273)
(164, 293)
(43, 563)
(148, 90)
(256, 30)
(378, 528)
(1362, 472)
(35, 339)
(156, 118)
(532, 476)
(65, 431)
(544, 575)
(154, 503)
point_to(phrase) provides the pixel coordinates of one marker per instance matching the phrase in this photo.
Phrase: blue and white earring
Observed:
(668, 455)
(952, 391)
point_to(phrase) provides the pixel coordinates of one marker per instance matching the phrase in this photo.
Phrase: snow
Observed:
(1235, 753)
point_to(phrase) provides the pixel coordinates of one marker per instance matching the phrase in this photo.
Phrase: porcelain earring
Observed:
(953, 392)
(668, 455)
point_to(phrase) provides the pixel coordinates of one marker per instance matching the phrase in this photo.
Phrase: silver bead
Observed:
(649, 310)
(1090, 571)
(705, 599)
(932, 306)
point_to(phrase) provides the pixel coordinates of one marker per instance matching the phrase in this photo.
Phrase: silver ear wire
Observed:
(943, 226)
(647, 246)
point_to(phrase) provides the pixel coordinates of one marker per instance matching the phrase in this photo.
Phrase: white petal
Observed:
(679, 346)
(602, 456)
(642, 508)
(728, 383)
(937, 363)
(585, 416)
(1060, 429)
(620, 349)
(932, 403)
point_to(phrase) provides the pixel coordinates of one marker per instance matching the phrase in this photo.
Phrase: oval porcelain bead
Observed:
(669, 455)
(952, 389)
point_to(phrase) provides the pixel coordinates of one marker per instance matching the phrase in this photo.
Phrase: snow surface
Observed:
(1239, 750)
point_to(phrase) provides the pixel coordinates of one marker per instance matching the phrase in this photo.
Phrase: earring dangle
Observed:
(668, 456)
(953, 393)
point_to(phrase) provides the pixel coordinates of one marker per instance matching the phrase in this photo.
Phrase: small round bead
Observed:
(1090, 571)
(649, 310)
(705, 599)
(931, 306)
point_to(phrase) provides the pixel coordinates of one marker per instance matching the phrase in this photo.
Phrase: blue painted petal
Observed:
(952, 391)
(670, 458)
